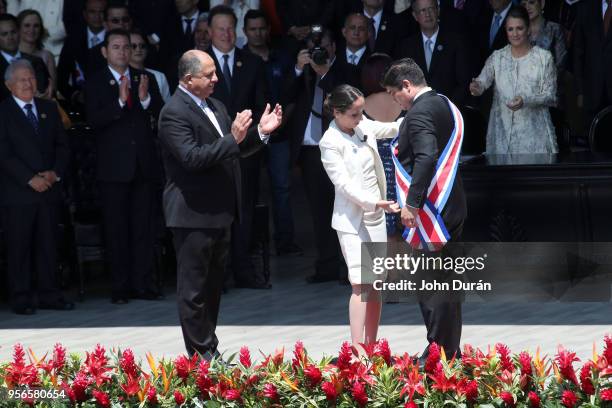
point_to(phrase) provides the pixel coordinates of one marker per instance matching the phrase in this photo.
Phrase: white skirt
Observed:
(350, 244)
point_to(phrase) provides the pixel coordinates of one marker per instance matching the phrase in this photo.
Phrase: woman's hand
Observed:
(476, 87)
(515, 103)
(388, 206)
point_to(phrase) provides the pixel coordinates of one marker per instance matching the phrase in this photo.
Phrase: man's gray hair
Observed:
(189, 64)
(14, 66)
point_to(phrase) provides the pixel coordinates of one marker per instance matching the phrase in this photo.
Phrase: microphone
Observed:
(365, 138)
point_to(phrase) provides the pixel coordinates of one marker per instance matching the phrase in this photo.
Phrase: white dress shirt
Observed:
(230, 61)
(22, 105)
(117, 76)
(377, 17)
(358, 54)
(433, 39)
(10, 58)
(194, 21)
(503, 16)
(99, 38)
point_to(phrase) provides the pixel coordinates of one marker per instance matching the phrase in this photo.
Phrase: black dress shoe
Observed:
(253, 285)
(320, 278)
(59, 305)
(24, 310)
(289, 250)
(119, 300)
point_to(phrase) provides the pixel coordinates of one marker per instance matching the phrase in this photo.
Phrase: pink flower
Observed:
(152, 395)
(344, 358)
(606, 395)
(565, 359)
(507, 398)
(127, 363)
(569, 399)
(433, 358)
(313, 374)
(608, 349)
(270, 391)
(101, 398)
(525, 362)
(232, 395)
(383, 350)
(534, 400)
(59, 357)
(471, 390)
(359, 394)
(299, 355)
(245, 357)
(330, 391)
(585, 379)
(203, 381)
(178, 397)
(79, 386)
(185, 366)
(504, 357)
(410, 404)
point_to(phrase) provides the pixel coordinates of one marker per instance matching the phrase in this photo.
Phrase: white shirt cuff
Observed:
(145, 104)
(263, 136)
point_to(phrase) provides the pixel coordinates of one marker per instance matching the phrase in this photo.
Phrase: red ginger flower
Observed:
(185, 366)
(127, 363)
(534, 400)
(383, 350)
(608, 349)
(131, 387)
(585, 378)
(504, 357)
(569, 399)
(203, 381)
(344, 358)
(18, 373)
(469, 388)
(68, 392)
(96, 366)
(245, 357)
(59, 357)
(79, 386)
(359, 394)
(433, 358)
(565, 361)
(330, 391)
(606, 395)
(101, 398)
(178, 397)
(508, 398)
(299, 355)
(525, 362)
(410, 404)
(232, 395)
(313, 374)
(270, 391)
(152, 395)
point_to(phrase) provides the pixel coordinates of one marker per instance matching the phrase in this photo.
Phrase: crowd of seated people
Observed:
(108, 66)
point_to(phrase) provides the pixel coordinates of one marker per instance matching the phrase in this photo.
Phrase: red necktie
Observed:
(607, 17)
(129, 98)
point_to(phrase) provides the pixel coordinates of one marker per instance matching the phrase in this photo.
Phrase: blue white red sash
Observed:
(430, 232)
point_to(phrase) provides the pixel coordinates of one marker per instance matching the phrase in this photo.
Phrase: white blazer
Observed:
(346, 171)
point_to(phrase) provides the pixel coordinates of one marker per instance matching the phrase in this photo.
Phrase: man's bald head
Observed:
(197, 73)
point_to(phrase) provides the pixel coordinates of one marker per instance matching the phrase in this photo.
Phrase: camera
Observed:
(318, 54)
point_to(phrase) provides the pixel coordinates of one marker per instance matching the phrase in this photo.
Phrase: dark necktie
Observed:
(607, 17)
(31, 116)
(188, 27)
(372, 37)
(226, 73)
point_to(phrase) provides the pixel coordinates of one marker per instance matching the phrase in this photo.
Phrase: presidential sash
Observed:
(430, 233)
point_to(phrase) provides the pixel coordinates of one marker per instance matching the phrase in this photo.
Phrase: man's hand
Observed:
(271, 120)
(39, 184)
(49, 175)
(476, 87)
(143, 88)
(515, 103)
(408, 216)
(241, 125)
(303, 58)
(124, 90)
(390, 207)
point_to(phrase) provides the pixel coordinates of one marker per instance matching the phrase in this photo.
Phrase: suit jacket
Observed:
(392, 29)
(40, 71)
(124, 136)
(352, 199)
(481, 32)
(353, 72)
(23, 153)
(203, 186)
(423, 135)
(249, 90)
(173, 44)
(592, 55)
(449, 71)
(299, 92)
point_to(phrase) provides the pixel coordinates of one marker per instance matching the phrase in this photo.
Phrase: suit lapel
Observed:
(237, 69)
(43, 120)
(111, 82)
(25, 123)
(420, 53)
(438, 49)
(220, 87)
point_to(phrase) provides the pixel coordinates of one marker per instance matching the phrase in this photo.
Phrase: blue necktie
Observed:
(494, 29)
(226, 73)
(31, 116)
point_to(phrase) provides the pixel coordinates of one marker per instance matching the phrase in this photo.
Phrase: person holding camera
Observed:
(315, 74)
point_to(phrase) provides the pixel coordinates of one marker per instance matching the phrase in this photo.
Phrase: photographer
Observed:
(315, 74)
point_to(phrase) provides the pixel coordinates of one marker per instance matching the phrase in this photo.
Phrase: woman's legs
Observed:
(364, 314)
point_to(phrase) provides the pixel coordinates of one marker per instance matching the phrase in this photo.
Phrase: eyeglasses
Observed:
(117, 20)
(136, 46)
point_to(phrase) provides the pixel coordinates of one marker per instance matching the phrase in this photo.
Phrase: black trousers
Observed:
(31, 238)
(320, 194)
(201, 256)
(442, 311)
(127, 211)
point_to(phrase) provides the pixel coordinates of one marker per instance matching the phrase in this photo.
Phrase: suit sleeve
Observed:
(462, 73)
(101, 110)
(424, 146)
(177, 135)
(333, 162)
(65, 67)
(156, 99)
(62, 151)
(10, 164)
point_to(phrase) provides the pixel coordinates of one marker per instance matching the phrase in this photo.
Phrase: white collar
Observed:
(117, 75)
(196, 99)
(193, 17)
(433, 38)
(9, 57)
(421, 92)
(358, 53)
(503, 13)
(219, 55)
(22, 103)
(377, 17)
(91, 34)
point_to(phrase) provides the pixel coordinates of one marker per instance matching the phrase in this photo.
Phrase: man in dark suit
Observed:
(490, 32)
(201, 146)
(386, 28)
(423, 135)
(305, 88)
(242, 85)
(121, 104)
(33, 158)
(9, 52)
(297, 17)
(442, 56)
(355, 51)
(593, 56)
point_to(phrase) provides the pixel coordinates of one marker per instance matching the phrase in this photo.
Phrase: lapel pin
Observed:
(43, 116)
(383, 27)
(113, 82)
(440, 47)
(136, 78)
(238, 64)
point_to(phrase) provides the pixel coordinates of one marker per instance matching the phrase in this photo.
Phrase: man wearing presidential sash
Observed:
(430, 192)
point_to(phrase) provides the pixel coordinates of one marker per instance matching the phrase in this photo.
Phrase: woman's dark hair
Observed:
(138, 31)
(341, 98)
(43, 31)
(519, 12)
(373, 72)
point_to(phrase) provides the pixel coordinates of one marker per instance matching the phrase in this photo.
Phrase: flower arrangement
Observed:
(485, 379)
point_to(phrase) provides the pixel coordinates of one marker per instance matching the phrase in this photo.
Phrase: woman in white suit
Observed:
(350, 157)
